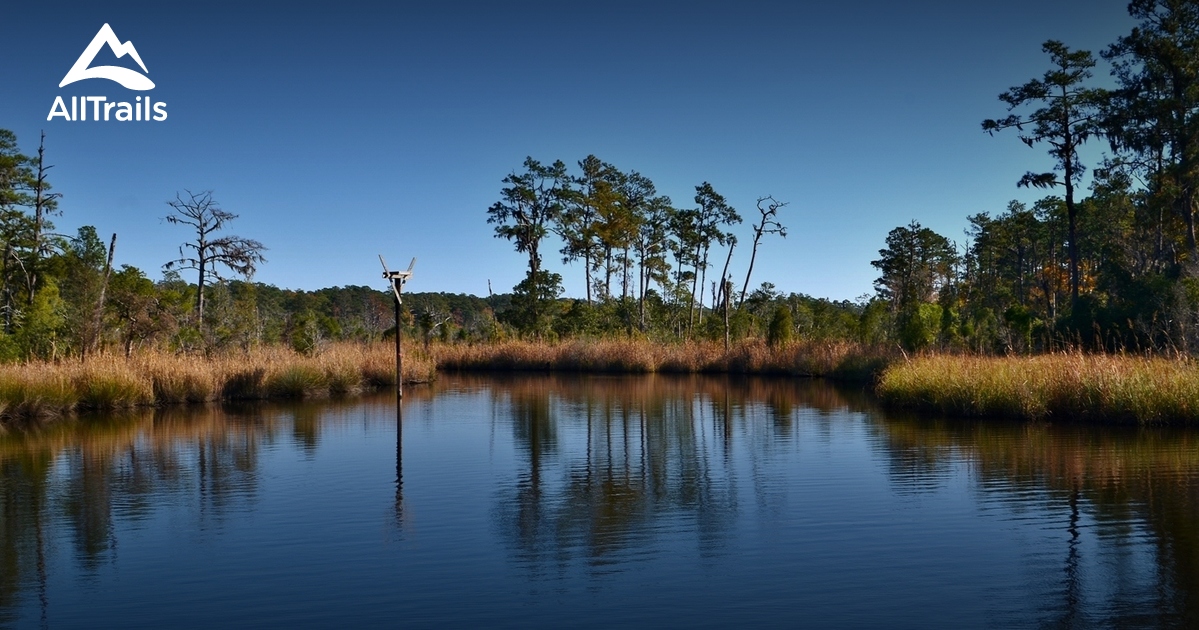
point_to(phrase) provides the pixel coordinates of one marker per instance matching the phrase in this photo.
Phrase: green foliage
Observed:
(534, 303)
(781, 327)
(16, 174)
(1117, 269)
(915, 265)
(10, 349)
(580, 319)
(43, 330)
(306, 334)
(875, 323)
(919, 326)
(1020, 321)
(949, 335)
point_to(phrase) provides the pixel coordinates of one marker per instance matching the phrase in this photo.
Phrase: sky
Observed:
(344, 130)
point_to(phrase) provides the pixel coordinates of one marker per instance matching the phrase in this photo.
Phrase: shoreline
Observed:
(38, 391)
(1085, 388)
(1072, 387)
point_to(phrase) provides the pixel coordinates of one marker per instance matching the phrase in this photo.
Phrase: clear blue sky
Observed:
(344, 130)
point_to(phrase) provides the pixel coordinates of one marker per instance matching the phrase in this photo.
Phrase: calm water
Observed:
(541, 501)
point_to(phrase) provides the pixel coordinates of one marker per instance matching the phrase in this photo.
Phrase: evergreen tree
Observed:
(1066, 119)
(529, 205)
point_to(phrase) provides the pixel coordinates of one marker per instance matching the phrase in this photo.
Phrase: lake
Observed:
(595, 501)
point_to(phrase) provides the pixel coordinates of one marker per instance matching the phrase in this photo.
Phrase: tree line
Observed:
(1113, 265)
(1109, 260)
(61, 296)
(645, 261)
(646, 264)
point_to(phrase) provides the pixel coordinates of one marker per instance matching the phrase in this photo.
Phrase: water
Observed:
(550, 501)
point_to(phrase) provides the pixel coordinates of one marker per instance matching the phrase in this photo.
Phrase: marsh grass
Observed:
(1082, 387)
(247, 383)
(833, 359)
(35, 392)
(299, 380)
(110, 384)
(184, 380)
(40, 390)
(343, 377)
(1094, 388)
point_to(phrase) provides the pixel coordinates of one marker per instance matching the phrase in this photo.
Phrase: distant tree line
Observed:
(61, 296)
(645, 261)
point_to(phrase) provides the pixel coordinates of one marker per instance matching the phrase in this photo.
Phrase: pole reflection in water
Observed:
(606, 500)
(399, 503)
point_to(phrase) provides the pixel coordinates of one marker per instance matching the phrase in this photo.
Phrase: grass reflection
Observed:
(1119, 476)
(607, 467)
(79, 478)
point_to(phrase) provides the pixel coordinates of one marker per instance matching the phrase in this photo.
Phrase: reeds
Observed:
(1095, 388)
(833, 359)
(1061, 386)
(41, 390)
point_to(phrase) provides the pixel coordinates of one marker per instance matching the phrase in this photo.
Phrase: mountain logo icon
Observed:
(130, 79)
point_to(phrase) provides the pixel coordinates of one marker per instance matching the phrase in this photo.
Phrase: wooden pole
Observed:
(398, 278)
(399, 345)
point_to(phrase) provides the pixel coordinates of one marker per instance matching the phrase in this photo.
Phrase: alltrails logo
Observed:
(142, 108)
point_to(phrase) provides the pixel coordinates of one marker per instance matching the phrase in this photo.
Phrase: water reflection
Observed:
(645, 455)
(73, 480)
(399, 502)
(610, 463)
(595, 477)
(1120, 493)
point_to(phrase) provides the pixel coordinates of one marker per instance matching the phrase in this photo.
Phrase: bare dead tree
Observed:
(45, 203)
(429, 320)
(732, 241)
(728, 289)
(93, 342)
(206, 254)
(768, 225)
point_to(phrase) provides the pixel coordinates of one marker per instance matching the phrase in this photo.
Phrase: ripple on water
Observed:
(550, 500)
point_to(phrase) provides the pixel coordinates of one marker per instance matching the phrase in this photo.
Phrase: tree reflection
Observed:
(1115, 476)
(84, 475)
(607, 458)
(305, 427)
(534, 434)
(23, 543)
(606, 461)
(606, 465)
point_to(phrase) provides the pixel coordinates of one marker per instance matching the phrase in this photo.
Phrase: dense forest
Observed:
(1108, 260)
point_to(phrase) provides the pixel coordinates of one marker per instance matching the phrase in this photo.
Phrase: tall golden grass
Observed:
(45, 389)
(1060, 386)
(834, 359)
(1084, 387)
